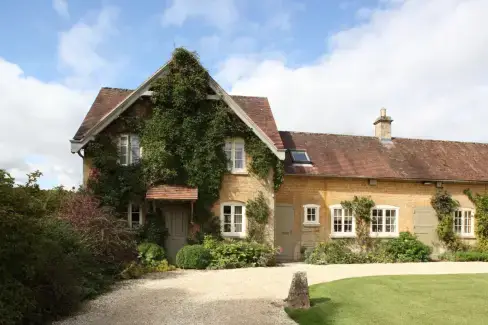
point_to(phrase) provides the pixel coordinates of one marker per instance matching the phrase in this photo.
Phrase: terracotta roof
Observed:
(257, 108)
(413, 159)
(172, 192)
(105, 101)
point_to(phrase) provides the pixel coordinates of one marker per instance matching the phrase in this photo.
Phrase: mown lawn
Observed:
(424, 299)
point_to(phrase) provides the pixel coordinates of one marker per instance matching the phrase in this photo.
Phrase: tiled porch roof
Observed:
(172, 192)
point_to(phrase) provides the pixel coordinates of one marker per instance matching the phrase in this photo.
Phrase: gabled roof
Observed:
(257, 108)
(110, 103)
(367, 157)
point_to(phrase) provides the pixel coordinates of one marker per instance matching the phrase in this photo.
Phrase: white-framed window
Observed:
(464, 222)
(236, 155)
(233, 219)
(384, 221)
(129, 149)
(311, 214)
(134, 215)
(343, 221)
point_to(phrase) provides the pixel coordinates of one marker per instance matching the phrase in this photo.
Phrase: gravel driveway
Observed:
(241, 296)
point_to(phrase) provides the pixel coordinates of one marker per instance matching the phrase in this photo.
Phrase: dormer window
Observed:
(300, 157)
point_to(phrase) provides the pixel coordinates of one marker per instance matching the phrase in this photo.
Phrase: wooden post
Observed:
(191, 213)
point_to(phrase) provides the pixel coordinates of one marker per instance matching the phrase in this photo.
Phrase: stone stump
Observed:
(298, 296)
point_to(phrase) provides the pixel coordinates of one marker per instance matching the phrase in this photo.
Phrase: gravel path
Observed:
(241, 296)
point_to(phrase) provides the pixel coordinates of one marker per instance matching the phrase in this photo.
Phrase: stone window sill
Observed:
(309, 224)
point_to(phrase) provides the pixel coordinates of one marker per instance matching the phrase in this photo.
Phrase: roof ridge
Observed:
(264, 97)
(116, 88)
(393, 138)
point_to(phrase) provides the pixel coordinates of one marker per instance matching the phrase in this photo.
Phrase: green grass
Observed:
(415, 299)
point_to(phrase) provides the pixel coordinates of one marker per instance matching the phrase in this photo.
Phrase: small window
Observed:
(384, 221)
(464, 222)
(300, 157)
(232, 220)
(129, 149)
(134, 215)
(311, 214)
(236, 155)
(343, 222)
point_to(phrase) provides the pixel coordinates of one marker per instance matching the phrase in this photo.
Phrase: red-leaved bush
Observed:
(107, 236)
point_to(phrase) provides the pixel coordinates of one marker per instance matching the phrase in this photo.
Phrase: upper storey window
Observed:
(236, 155)
(129, 149)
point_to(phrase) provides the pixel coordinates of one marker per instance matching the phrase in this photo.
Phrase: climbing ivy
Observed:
(183, 143)
(257, 212)
(361, 210)
(444, 206)
(115, 185)
(481, 215)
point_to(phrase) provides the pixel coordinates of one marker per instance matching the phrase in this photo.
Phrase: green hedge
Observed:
(228, 254)
(469, 256)
(193, 257)
(405, 248)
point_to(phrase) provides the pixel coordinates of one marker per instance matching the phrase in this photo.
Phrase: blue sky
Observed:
(325, 65)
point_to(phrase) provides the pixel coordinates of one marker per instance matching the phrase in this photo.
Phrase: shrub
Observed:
(407, 248)
(229, 254)
(107, 236)
(333, 252)
(469, 256)
(150, 253)
(154, 230)
(193, 257)
(162, 266)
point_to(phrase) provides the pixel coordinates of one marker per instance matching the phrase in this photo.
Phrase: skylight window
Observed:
(300, 157)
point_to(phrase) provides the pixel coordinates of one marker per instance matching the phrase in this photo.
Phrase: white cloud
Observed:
(426, 61)
(41, 117)
(61, 7)
(219, 13)
(79, 50)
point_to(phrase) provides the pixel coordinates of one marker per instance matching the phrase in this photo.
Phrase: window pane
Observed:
(467, 222)
(390, 221)
(227, 218)
(239, 155)
(135, 149)
(124, 150)
(135, 215)
(311, 214)
(227, 209)
(337, 220)
(299, 156)
(238, 209)
(377, 221)
(458, 221)
(228, 154)
(226, 227)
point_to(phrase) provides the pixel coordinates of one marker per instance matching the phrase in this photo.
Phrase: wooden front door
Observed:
(285, 237)
(424, 226)
(176, 221)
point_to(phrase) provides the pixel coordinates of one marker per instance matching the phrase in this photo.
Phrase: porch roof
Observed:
(172, 192)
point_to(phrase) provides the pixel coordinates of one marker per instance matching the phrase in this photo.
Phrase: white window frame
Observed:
(383, 233)
(130, 158)
(233, 233)
(463, 233)
(129, 215)
(341, 234)
(316, 222)
(233, 142)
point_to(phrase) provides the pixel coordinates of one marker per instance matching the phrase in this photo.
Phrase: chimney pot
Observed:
(383, 126)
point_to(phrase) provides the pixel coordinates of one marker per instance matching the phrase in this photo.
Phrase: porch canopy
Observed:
(172, 192)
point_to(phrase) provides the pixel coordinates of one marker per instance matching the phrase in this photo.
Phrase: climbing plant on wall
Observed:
(257, 212)
(444, 206)
(361, 210)
(481, 216)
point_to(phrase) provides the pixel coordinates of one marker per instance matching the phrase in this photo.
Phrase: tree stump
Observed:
(298, 296)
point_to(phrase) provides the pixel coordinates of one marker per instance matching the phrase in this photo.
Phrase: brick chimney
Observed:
(383, 126)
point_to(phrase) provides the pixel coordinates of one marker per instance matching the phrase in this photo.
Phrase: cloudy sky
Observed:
(325, 65)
